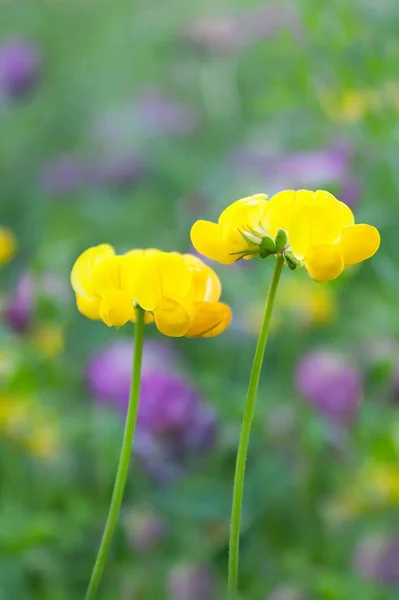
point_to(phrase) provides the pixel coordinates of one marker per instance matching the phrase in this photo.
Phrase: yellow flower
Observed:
(310, 229)
(8, 245)
(179, 292)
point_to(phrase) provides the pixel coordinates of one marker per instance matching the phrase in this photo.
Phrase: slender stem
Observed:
(124, 459)
(246, 432)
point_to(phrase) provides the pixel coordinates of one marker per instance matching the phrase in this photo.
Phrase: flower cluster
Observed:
(309, 229)
(177, 291)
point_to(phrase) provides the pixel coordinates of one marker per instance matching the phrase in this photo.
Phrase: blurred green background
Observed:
(123, 122)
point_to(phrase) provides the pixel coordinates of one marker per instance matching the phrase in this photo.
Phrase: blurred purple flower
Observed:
(66, 174)
(109, 370)
(218, 34)
(18, 313)
(377, 559)
(19, 310)
(306, 169)
(286, 593)
(161, 114)
(312, 168)
(231, 32)
(187, 581)
(351, 191)
(119, 171)
(145, 529)
(174, 424)
(19, 67)
(331, 384)
(271, 19)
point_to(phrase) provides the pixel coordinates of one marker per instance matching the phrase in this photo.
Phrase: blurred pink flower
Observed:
(331, 384)
(231, 31)
(377, 559)
(299, 170)
(191, 581)
(161, 114)
(20, 66)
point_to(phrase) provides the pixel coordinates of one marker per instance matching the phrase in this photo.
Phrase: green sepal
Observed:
(291, 261)
(265, 253)
(267, 245)
(281, 240)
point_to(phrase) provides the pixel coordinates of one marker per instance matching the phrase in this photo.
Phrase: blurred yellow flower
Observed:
(375, 486)
(350, 107)
(300, 304)
(24, 422)
(8, 245)
(49, 340)
(43, 441)
(307, 303)
(310, 229)
(13, 413)
(179, 292)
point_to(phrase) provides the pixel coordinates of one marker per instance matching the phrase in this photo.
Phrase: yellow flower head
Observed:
(179, 292)
(8, 245)
(310, 229)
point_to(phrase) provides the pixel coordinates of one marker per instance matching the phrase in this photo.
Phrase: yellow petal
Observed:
(162, 275)
(279, 214)
(118, 273)
(142, 252)
(209, 319)
(89, 307)
(206, 239)
(206, 285)
(324, 262)
(116, 308)
(8, 245)
(171, 317)
(82, 270)
(244, 216)
(234, 216)
(347, 215)
(358, 243)
(316, 221)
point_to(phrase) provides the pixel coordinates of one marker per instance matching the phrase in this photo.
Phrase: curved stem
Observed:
(246, 432)
(124, 459)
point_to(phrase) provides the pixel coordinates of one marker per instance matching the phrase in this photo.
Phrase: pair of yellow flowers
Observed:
(181, 294)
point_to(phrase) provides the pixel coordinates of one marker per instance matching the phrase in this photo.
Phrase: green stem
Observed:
(246, 432)
(124, 459)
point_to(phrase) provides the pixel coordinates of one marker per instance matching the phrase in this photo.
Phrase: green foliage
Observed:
(265, 91)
